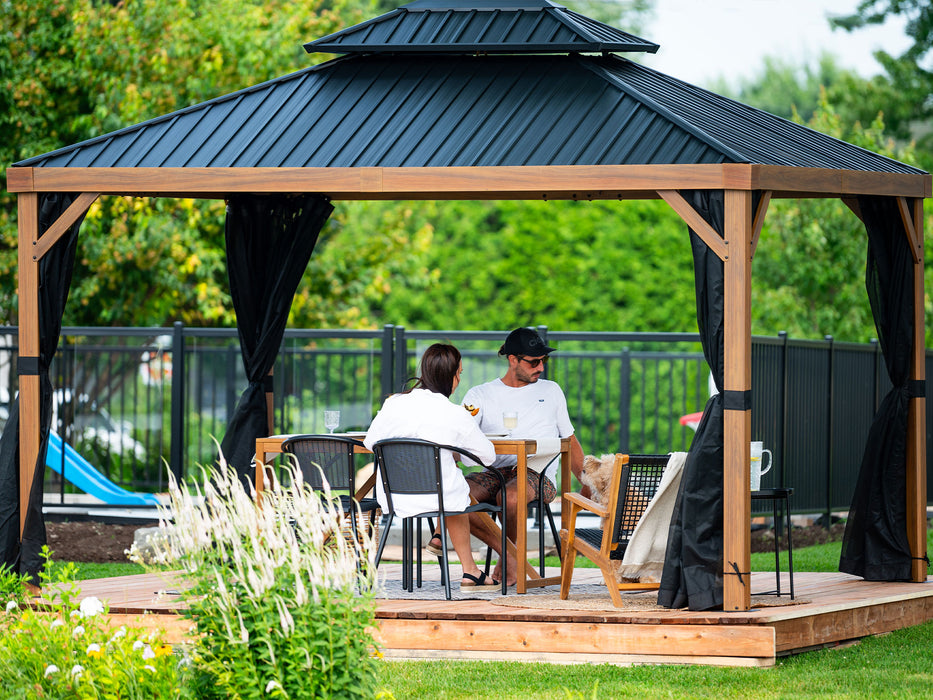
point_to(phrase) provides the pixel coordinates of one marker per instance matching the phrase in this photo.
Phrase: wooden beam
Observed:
(52, 235)
(759, 220)
(696, 222)
(485, 182)
(916, 421)
(916, 246)
(28, 232)
(852, 203)
(737, 423)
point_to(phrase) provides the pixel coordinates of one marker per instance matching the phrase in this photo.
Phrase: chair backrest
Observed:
(327, 457)
(638, 481)
(412, 466)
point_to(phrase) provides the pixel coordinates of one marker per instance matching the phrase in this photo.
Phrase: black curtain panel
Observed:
(55, 271)
(692, 574)
(875, 544)
(269, 241)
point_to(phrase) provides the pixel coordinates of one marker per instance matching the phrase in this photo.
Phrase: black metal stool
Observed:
(775, 496)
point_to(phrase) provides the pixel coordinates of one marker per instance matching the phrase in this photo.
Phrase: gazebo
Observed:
(522, 99)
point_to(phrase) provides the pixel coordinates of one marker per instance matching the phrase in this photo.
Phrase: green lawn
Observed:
(897, 665)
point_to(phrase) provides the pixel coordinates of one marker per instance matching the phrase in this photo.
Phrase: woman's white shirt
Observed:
(428, 415)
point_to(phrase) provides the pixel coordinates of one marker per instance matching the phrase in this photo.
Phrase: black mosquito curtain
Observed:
(55, 271)
(269, 241)
(692, 574)
(875, 544)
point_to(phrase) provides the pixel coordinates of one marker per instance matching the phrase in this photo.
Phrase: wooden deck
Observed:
(840, 609)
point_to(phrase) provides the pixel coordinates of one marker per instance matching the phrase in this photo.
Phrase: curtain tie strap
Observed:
(737, 400)
(736, 572)
(27, 366)
(923, 558)
(916, 389)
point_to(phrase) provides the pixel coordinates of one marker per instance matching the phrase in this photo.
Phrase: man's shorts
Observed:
(490, 483)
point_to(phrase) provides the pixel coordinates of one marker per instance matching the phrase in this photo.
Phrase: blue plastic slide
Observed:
(84, 476)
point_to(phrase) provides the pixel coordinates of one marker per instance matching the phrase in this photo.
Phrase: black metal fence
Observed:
(137, 402)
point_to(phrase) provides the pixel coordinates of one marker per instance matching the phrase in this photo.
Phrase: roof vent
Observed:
(481, 26)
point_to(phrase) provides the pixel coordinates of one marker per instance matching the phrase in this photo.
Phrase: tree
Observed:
(906, 94)
(74, 69)
(809, 271)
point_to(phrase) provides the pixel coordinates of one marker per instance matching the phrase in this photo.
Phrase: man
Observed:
(542, 413)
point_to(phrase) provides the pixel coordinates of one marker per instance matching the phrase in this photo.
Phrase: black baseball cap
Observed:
(524, 341)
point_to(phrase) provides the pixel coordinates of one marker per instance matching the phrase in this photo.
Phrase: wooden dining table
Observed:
(522, 448)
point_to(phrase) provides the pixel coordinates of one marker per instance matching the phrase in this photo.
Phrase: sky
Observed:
(702, 40)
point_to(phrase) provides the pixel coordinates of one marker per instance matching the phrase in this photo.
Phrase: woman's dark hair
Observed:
(439, 366)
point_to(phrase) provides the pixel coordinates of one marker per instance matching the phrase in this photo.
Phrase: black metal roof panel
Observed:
(403, 111)
(747, 134)
(481, 26)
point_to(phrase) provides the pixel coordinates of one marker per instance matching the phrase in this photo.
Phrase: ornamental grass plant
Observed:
(282, 603)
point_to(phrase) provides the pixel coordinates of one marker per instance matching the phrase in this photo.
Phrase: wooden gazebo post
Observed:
(917, 420)
(737, 416)
(28, 236)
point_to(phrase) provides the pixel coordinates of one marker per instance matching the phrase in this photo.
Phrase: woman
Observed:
(426, 412)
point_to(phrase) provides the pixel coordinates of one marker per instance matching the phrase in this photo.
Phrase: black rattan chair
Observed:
(330, 458)
(411, 466)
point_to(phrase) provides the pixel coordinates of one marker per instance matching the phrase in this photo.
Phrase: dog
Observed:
(597, 474)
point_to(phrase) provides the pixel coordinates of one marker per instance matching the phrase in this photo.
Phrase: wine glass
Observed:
(510, 420)
(331, 420)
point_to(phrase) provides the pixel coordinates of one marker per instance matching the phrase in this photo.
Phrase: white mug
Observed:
(757, 453)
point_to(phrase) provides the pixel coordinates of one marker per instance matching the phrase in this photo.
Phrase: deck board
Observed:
(838, 608)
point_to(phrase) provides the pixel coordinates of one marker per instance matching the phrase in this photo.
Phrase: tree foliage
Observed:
(905, 94)
(74, 69)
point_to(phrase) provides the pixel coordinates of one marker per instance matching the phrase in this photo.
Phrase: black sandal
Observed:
(435, 549)
(479, 581)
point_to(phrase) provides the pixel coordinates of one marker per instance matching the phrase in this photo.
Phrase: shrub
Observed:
(280, 604)
(64, 649)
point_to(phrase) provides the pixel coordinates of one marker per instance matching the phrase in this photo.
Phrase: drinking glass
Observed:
(510, 420)
(331, 420)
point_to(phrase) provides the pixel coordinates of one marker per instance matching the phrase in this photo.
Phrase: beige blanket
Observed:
(644, 556)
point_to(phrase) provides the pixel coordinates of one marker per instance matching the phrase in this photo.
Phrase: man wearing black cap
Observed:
(542, 413)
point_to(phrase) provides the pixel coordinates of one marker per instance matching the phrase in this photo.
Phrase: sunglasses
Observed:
(534, 363)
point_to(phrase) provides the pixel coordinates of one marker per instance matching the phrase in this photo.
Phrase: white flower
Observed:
(77, 670)
(272, 685)
(50, 669)
(93, 650)
(56, 623)
(74, 614)
(137, 645)
(149, 668)
(118, 634)
(148, 653)
(91, 606)
(11, 606)
(79, 630)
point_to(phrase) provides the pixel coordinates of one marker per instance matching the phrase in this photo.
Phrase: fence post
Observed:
(784, 407)
(542, 331)
(401, 360)
(625, 399)
(387, 386)
(829, 432)
(178, 401)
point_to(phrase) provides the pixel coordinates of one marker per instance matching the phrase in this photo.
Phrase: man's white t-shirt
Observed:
(541, 407)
